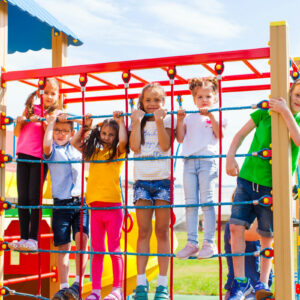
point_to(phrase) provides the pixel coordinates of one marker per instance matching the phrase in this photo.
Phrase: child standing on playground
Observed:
(66, 191)
(199, 134)
(29, 146)
(151, 136)
(254, 181)
(107, 141)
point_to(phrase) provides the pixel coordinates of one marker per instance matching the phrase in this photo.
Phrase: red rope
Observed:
(172, 190)
(126, 196)
(41, 196)
(82, 188)
(220, 190)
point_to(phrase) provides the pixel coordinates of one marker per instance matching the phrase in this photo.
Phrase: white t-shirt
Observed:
(153, 169)
(199, 136)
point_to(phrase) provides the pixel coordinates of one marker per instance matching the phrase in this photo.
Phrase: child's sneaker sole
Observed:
(262, 294)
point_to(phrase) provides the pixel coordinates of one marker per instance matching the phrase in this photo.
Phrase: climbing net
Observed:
(212, 62)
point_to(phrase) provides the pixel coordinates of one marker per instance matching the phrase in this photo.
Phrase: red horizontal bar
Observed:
(28, 278)
(74, 275)
(164, 83)
(182, 92)
(259, 53)
(17, 237)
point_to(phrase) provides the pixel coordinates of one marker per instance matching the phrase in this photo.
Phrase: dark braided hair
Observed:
(140, 105)
(93, 142)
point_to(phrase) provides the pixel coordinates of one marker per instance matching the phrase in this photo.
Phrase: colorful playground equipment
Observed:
(129, 88)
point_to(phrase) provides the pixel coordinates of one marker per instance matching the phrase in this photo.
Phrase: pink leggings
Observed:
(109, 221)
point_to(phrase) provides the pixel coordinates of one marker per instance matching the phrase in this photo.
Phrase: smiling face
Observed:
(107, 135)
(62, 133)
(295, 99)
(152, 100)
(51, 94)
(204, 97)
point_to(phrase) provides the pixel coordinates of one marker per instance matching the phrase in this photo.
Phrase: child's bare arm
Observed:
(135, 136)
(123, 138)
(19, 124)
(214, 123)
(279, 105)
(48, 137)
(232, 167)
(180, 128)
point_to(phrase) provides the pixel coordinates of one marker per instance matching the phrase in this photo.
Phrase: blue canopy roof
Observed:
(30, 27)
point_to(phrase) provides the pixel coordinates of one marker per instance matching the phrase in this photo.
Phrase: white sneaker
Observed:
(16, 245)
(30, 245)
(207, 250)
(190, 249)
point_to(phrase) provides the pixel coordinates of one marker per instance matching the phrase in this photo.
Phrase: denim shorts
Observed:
(152, 190)
(246, 214)
(65, 219)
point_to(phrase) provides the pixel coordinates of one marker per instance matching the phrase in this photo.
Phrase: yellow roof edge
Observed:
(278, 23)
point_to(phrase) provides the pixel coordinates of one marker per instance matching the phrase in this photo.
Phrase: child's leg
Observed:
(162, 221)
(98, 244)
(238, 245)
(114, 230)
(265, 263)
(63, 263)
(23, 186)
(207, 174)
(34, 196)
(144, 221)
(191, 194)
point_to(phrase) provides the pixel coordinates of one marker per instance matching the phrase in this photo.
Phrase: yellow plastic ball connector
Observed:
(75, 41)
(5, 206)
(3, 114)
(54, 268)
(81, 79)
(264, 105)
(41, 82)
(267, 253)
(295, 74)
(6, 120)
(270, 161)
(3, 291)
(270, 145)
(272, 208)
(4, 85)
(54, 279)
(218, 67)
(3, 127)
(125, 75)
(265, 153)
(171, 71)
(266, 200)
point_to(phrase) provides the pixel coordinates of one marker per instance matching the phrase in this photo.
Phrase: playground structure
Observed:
(280, 72)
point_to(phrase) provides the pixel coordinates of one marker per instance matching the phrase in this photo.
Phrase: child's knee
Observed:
(162, 233)
(236, 230)
(145, 233)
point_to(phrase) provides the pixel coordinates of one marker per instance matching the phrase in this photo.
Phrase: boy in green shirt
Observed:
(254, 181)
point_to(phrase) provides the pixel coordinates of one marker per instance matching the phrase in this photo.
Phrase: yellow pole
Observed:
(281, 167)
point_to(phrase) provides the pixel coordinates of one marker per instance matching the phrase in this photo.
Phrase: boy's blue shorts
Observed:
(242, 214)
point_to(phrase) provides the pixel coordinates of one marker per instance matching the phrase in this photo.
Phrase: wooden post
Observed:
(281, 167)
(3, 54)
(59, 53)
(59, 59)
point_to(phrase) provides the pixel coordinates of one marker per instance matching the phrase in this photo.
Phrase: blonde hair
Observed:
(29, 104)
(212, 82)
(140, 105)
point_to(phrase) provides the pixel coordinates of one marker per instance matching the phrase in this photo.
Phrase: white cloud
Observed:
(193, 20)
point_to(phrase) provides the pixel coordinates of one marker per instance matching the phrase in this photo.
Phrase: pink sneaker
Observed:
(208, 250)
(190, 249)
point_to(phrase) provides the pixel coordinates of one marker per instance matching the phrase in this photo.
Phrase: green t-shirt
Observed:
(256, 169)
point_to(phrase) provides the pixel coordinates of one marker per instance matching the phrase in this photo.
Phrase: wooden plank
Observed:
(281, 167)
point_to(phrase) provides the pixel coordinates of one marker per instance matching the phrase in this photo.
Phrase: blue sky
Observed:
(131, 29)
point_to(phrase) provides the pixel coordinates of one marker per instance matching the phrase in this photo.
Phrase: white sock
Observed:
(64, 285)
(162, 280)
(118, 289)
(141, 279)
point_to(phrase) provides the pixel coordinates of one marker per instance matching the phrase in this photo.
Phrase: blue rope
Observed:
(133, 206)
(13, 292)
(126, 159)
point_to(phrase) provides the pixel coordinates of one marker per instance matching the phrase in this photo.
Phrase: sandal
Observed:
(60, 295)
(92, 296)
(161, 293)
(114, 295)
(141, 292)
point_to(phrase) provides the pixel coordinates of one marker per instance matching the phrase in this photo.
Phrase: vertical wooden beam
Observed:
(281, 167)
(3, 54)
(59, 59)
(59, 53)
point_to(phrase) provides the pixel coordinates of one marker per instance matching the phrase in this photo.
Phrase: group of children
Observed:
(148, 136)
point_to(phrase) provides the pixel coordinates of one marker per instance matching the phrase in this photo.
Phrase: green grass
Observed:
(194, 277)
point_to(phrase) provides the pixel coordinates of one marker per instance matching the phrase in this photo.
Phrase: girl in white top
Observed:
(151, 136)
(199, 134)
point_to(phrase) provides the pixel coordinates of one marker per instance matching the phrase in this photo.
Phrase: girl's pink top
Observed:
(30, 138)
